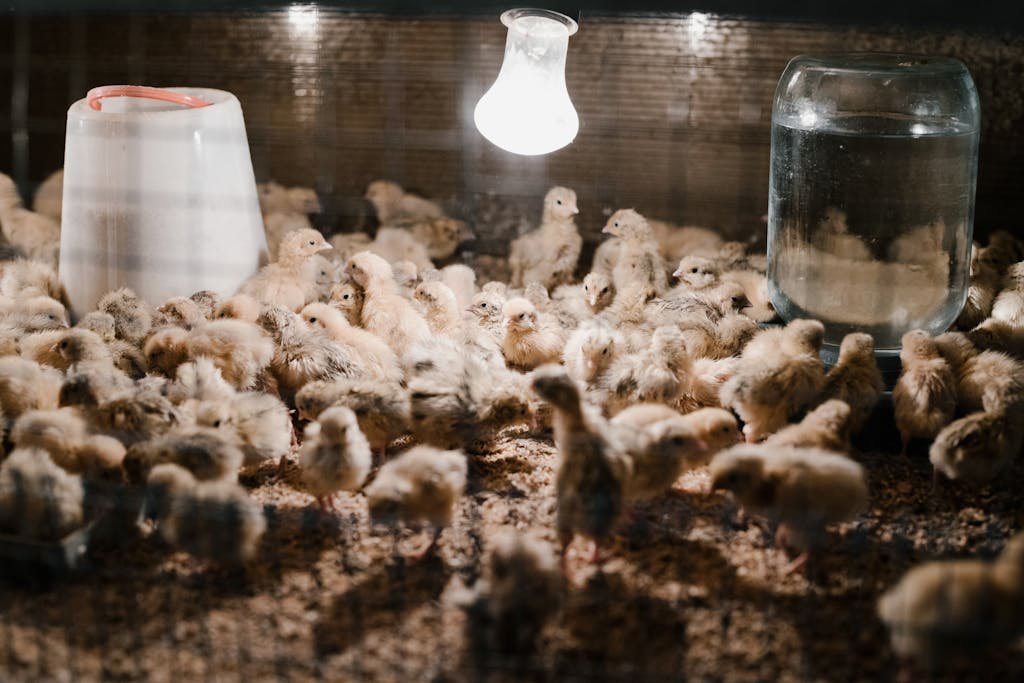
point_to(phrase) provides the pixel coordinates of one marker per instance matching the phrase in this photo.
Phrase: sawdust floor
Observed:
(690, 591)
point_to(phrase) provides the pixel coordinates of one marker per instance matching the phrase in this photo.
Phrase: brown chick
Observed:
(239, 307)
(49, 197)
(26, 385)
(855, 379)
(372, 354)
(91, 385)
(803, 489)
(78, 346)
(166, 349)
(659, 451)
(826, 427)
(35, 234)
(382, 408)
(1008, 306)
(531, 338)
(211, 520)
(38, 499)
(64, 434)
(275, 197)
(203, 451)
(985, 380)
(207, 300)
(996, 335)
(285, 282)
(441, 236)
(257, 422)
(978, 447)
(335, 456)
(133, 318)
(778, 376)
(639, 258)
(132, 415)
(423, 484)
(178, 311)
(924, 398)
(385, 312)
(303, 353)
(548, 255)
(395, 205)
(593, 472)
(941, 609)
(658, 374)
(716, 428)
(348, 299)
(240, 350)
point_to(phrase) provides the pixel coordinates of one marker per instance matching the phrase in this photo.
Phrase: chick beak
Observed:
(701, 444)
(65, 324)
(574, 210)
(591, 365)
(678, 274)
(744, 302)
(607, 230)
(326, 246)
(468, 309)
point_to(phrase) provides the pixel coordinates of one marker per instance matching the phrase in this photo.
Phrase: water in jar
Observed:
(871, 221)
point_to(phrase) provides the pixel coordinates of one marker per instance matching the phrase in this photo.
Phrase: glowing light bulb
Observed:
(527, 110)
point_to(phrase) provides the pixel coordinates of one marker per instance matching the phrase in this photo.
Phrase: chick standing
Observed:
(335, 456)
(826, 427)
(855, 379)
(385, 312)
(421, 485)
(548, 255)
(372, 354)
(978, 447)
(531, 338)
(382, 408)
(924, 398)
(285, 281)
(638, 256)
(38, 499)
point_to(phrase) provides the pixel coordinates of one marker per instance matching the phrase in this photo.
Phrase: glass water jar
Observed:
(873, 166)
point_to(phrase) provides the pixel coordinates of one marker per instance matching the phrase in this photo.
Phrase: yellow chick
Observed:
(277, 224)
(697, 272)
(211, 520)
(939, 609)
(240, 350)
(38, 499)
(855, 379)
(593, 472)
(285, 281)
(335, 456)
(548, 255)
(423, 484)
(803, 489)
(35, 234)
(530, 339)
(826, 427)
(639, 258)
(372, 354)
(978, 447)
(348, 299)
(385, 312)
(924, 398)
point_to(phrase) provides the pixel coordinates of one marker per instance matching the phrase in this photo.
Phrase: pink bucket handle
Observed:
(96, 94)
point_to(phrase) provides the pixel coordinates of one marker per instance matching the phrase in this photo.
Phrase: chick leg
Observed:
(799, 564)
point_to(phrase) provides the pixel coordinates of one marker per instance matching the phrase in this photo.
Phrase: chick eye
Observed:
(312, 243)
(216, 423)
(483, 305)
(346, 297)
(616, 224)
(522, 315)
(694, 270)
(312, 320)
(604, 352)
(604, 291)
(558, 201)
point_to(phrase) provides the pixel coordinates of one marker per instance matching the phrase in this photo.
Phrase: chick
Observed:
(132, 316)
(348, 244)
(421, 485)
(257, 422)
(716, 428)
(335, 456)
(589, 353)
(697, 272)
(924, 398)
(531, 339)
(239, 307)
(49, 197)
(394, 245)
(240, 350)
(38, 499)
(179, 311)
(24, 278)
(855, 379)
(99, 322)
(406, 276)
(1009, 304)
(659, 374)
(35, 314)
(520, 590)
(211, 520)
(985, 380)
(385, 312)
(639, 259)
(382, 408)
(207, 300)
(78, 346)
(803, 489)
(166, 349)
(709, 376)
(274, 197)
(758, 306)
(548, 255)
(981, 292)
(135, 414)
(593, 472)
(659, 451)
(373, 356)
(599, 291)
(348, 299)
(303, 353)
(978, 447)
(278, 224)
(42, 348)
(997, 335)
(286, 282)
(199, 381)
(939, 609)
(778, 376)
(441, 308)
(826, 427)
(441, 236)
(462, 281)
(36, 234)
(394, 204)
(92, 385)
(26, 385)
(128, 358)
(203, 451)
(487, 309)
(64, 434)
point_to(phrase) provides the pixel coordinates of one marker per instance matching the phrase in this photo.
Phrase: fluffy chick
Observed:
(303, 353)
(639, 258)
(133, 318)
(38, 499)
(203, 451)
(287, 281)
(348, 299)
(99, 322)
(26, 385)
(530, 339)
(259, 423)
(985, 380)
(274, 197)
(239, 307)
(826, 427)
(395, 205)
(778, 376)
(924, 398)
(36, 234)
(462, 280)
(855, 379)
(382, 408)
(978, 447)
(385, 312)
(25, 278)
(64, 434)
(211, 520)
(939, 609)
(593, 472)
(372, 354)
(395, 245)
(49, 197)
(589, 353)
(335, 456)
(548, 255)
(659, 451)
(1009, 304)
(166, 349)
(598, 291)
(421, 485)
(659, 374)
(697, 272)
(179, 311)
(441, 236)
(803, 489)
(240, 350)
(132, 415)
(199, 381)
(445, 318)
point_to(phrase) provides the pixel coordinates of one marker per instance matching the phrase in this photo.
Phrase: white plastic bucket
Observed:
(159, 195)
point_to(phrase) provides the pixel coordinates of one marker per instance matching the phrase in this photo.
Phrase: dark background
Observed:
(675, 107)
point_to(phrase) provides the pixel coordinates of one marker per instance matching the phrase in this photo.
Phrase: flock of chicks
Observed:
(367, 343)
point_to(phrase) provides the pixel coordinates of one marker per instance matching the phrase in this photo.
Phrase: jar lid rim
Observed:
(888, 62)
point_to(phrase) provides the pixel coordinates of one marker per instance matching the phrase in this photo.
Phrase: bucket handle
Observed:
(96, 94)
